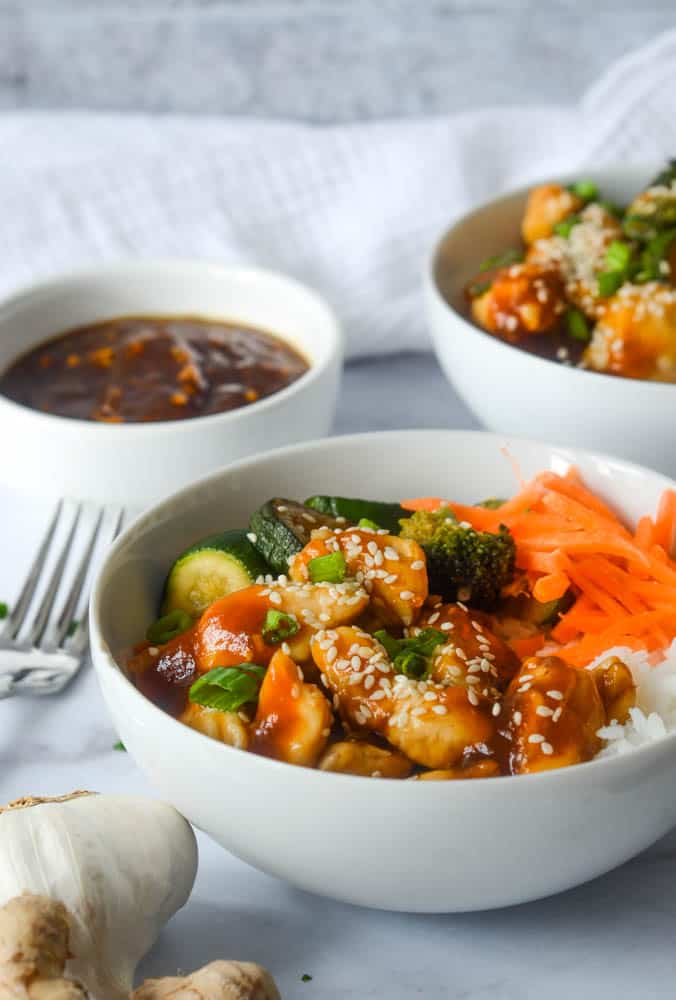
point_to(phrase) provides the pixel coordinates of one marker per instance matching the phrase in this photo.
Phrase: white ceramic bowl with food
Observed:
(436, 846)
(516, 392)
(136, 463)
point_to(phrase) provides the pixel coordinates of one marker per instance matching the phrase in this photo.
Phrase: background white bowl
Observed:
(423, 846)
(515, 392)
(136, 464)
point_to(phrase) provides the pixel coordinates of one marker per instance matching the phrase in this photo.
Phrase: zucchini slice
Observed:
(385, 515)
(283, 527)
(212, 568)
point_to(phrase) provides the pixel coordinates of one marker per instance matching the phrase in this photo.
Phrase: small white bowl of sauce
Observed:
(125, 382)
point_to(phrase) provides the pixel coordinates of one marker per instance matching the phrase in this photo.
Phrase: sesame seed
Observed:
(325, 617)
(523, 689)
(392, 578)
(476, 627)
(286, 648)
(439, 709)
(377, 696)
(153, 650)
(331, 654)
(325, 680)
(544, 711)
(355, 663)
(497, 707)
(471, 679)
(547, 748)
(275, 598)
(556, 695)
(461, 605)
(518, 718)
(433, 618)
(369, 682)
(406, 595)
(392, 554)
(446, 626)
(525, 677)
(460, 653)
(295, 691)
(252, 536)
(282, 509)
(430, 696)
(557, 715)
(472, 697)
(536, 738)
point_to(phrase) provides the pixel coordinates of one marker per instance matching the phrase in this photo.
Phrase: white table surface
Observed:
(613, 938)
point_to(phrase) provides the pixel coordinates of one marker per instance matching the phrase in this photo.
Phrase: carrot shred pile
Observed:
(567, 538)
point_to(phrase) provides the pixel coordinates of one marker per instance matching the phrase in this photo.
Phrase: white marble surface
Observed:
(613, 938)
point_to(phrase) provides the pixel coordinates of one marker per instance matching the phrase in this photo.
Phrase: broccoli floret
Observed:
(462, 564)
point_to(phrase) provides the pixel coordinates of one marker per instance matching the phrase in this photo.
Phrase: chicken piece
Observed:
(226, 727)
(549, 717)
(579, 257)
(547, 204)
(487, 768)
(636, 337)
(473, 655)
(230, 630)
(393, 570)
(360, 757)
(432, 724)
(615, 684)
(523, 299)
(293, 720)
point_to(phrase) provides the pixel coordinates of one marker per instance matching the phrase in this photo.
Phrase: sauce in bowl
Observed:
(136, 369)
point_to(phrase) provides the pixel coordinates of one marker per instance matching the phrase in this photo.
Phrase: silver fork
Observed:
(40, 654)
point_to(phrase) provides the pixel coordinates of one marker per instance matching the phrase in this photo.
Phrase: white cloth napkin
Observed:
(352, 210)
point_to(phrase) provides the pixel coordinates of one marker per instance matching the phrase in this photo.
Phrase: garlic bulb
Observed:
(121, 866)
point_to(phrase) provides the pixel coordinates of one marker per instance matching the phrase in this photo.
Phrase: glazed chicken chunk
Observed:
(636, 336)
(523, 299)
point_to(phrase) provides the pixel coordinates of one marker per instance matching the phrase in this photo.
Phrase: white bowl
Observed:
(417, 846)
(515, 392)
(136, 464)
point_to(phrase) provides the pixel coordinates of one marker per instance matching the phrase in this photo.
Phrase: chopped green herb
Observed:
(228, 688)
(501, 260)
(366, 522)
(564, 228)
(618, 256)
(72, 628)
(577, 325)
(655, 252)
(411, 656)
(584, 189)
(477, 288)
(327, 569)
(119, 746)
(306, 978)
(4, 610)
(279, 626)
(168, 627)
(608, 283)
(492, 503)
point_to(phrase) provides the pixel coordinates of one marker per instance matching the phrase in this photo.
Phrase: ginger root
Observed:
(216, 981)
(34, 934)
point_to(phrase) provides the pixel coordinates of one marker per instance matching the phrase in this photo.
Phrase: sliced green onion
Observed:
(327, 569)
(655, 252)
(168, 627)
(584, 189)
(411, 656)
(228, 688)
(565, 227)
(279, 626)
(119, 746)
(366, 522)
(477, 288)
(501, 260)
(4, 610)
(608, 282)
(618, 256)
(577, 325)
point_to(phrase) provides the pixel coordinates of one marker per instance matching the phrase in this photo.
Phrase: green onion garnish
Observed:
(586, 190)
(656, 251)
(327, 569)
(608, 282)
(306, 978)
(564, 228)
(4, 610)
(577, 325)
(366, 522)
(279, 626)
(119, 746)
(618, 256)
(228, 688)
(501, 260)
(168, 627)
(477, 288)
(411, 656)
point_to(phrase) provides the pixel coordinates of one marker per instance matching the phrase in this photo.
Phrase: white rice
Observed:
(655, 713)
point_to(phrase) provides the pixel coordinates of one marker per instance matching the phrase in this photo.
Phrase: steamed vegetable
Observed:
(462, 563)
(212, 568)
(377, 512)
(281, 528)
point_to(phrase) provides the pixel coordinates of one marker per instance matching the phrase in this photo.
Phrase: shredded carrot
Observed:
(528, 646)
(568, 540)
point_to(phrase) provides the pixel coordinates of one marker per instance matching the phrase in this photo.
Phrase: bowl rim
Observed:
(432, 289)
(103, 658)
(332, 337)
